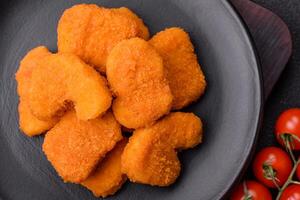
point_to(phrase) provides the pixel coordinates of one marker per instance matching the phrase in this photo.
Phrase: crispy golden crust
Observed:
(29, 124)
(150, 161)
(74, 147)
(91, 32)
(143, 31)
(181, 130)
(63, 78)
(186, 79)
(150, 155)
(107, 179)
(136, 75)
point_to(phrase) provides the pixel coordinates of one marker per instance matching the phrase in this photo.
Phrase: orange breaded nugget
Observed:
(107, 179)
(29, 124)
(62, 78)
(74, 147)
(186, 79)
(136, 75)
(150, 161)
(150, 156)
(91, 32)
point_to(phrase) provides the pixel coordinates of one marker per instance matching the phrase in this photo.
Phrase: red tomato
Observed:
(275, 158)
(292, 192)
(289, 122)
(256, 191)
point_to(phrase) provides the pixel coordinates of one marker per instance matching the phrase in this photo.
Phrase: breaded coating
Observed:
(150, 157)
(91, 32)
(29, 124)
(64, 78)
(107, 179)
(150, 161)
(186, 79)
(135, 73)
(74, 147)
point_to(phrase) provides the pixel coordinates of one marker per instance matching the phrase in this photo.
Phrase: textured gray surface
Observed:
(230, 107)
(286, 93)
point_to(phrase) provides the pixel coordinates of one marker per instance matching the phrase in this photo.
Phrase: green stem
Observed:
(295, 137)
(276, 184)
(295, 182)
(291, 152)
(289, 180)
(247, 196)
(270, 174)
(288, 140)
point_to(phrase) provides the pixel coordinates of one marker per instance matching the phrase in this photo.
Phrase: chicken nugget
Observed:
(91, 32)
(150, 161)
(186, 79)
(150, 157)
(181, 130)
(64, 78)
(135, 73)
(29, 124)
(107, 179)
(74, 147)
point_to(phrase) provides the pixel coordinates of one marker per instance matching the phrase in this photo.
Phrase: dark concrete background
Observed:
(286, 93)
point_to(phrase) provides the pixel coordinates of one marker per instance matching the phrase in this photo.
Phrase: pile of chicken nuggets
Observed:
(109, 76)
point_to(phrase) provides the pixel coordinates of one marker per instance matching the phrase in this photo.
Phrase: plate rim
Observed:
(244, 164)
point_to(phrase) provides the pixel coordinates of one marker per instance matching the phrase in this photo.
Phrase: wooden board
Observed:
(272, 39)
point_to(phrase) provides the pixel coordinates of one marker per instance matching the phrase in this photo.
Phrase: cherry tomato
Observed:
(272, 162)
(289, 123)
(292, 192)
(253, 191)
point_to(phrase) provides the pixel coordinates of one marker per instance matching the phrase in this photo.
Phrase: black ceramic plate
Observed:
(230, 108)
